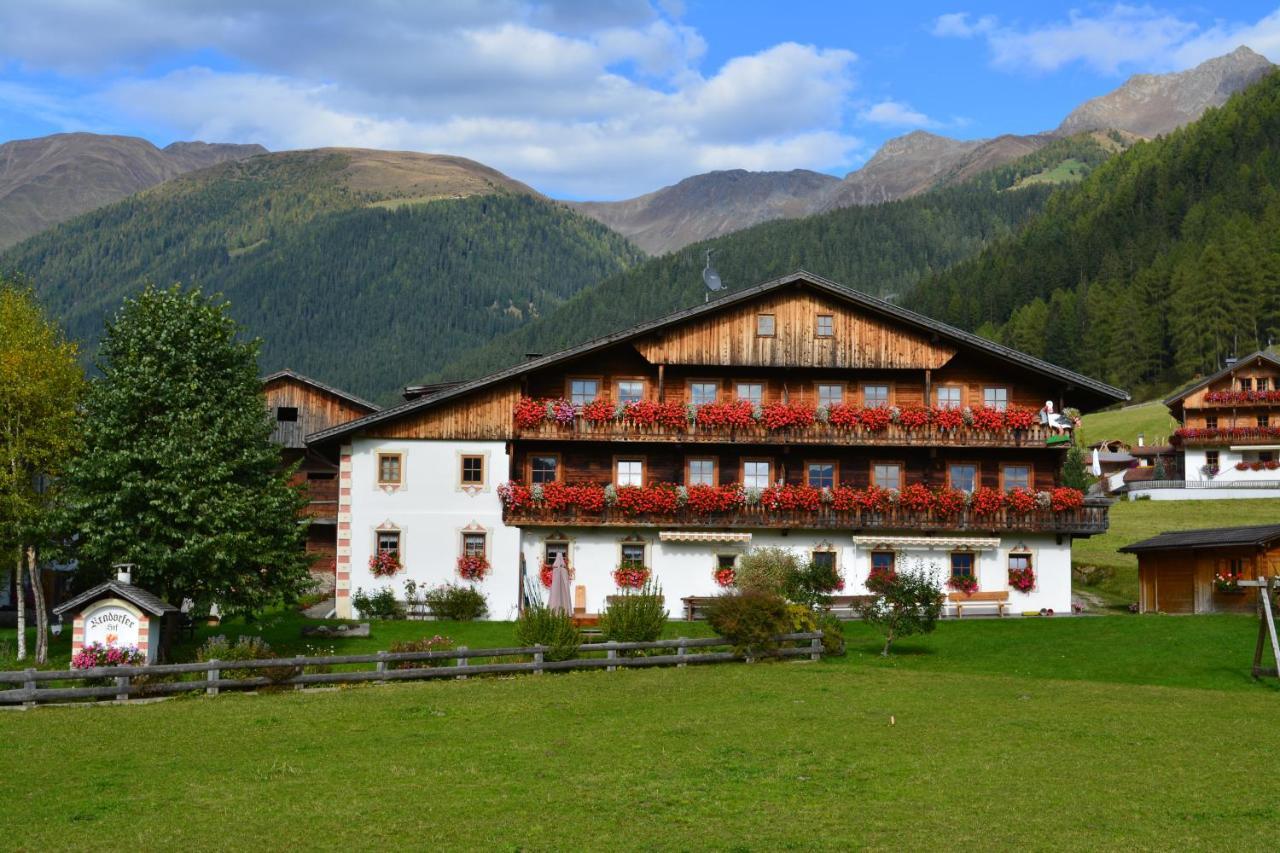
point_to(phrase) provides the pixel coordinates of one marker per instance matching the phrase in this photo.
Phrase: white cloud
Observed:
(1112, 39)
(595, 99)
(891, 113)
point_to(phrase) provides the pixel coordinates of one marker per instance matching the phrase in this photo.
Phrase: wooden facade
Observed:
(1178, 571)
(1243, 395)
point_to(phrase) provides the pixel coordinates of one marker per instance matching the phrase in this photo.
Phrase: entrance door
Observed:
(1176, 589)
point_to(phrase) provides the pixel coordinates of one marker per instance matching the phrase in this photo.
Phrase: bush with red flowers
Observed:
(587, 498)
(987, 502)
(948, 419)
(545, 574)
(732, 415)
(1023, 580)
(1021, 500)
(874, 499)
(949, 503)
(988, 418)
(843, 415)
(705, 500)
(725, 576)
(1016, 417)
(472, 567)
(556, 495)
(880, 580)
(779, 416)
(599, 411)
(1241, 396)
(641, 412)
(631, 575)
(384, 564)
(875, 419)
(788, 498)
(648, 500)
(916, 498)
(672, 415)
(963, 583)
(1063, 499)
(514, 495)
(845, 498)
(914, 417)
(529, 413)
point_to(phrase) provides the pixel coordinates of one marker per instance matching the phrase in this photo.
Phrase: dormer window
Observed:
(287, 414)
(766, 325)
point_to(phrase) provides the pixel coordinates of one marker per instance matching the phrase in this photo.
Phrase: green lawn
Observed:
(1045, 733)
(1132, 521)
(1151, 419)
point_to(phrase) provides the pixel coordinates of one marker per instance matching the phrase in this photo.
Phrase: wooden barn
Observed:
(1194, 571)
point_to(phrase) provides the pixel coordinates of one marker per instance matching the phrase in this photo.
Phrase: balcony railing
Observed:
(1087, 520)
(895, 435)
(1246, 485)
(1219, 436)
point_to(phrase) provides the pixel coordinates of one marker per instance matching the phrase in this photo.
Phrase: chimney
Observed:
(124, 572)
(1142, 440)
(1229, 361)
(530, 356)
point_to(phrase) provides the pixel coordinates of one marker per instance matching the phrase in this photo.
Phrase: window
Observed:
(389, 542)
(1264, 420)
(829, 395)
(631, 554)
(472, 470)
(962, 565)
(1246, 383)
(1211, 458)
(702, 472)
(630, 472)
(287, 414)
(950, 396)
(726, 561)
(886, 475)
(1266, 456)
(962, 476)
(701, 393)
(1263, 383)
(752, 391)
(766, 325)
(995, 398)
(544, 468)
(756, 473)
(820, 475)
(630, 390)
(882, 561)
(1211, 422)
(1015, 477)
(583, 391)
(1019, 562)
(553, 548)
(389, 469)
(875, 395)
(473, 544)
(825, 559)
(826, 326)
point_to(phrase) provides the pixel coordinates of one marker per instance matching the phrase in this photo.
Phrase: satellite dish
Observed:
(709, 275)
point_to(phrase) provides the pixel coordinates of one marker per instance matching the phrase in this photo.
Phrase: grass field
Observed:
(1150, 419)
(1069, 733)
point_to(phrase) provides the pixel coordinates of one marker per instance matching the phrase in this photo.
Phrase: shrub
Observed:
(219, 648)
(457, 602)
(832, 634)
(635, 617)
(906, 602)
(426, 644)
(768, 570)
(380, 604)
(811, 584)
(750, 620)
(541, 626)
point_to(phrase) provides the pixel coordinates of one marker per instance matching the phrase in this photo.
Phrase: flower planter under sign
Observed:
(119, 615)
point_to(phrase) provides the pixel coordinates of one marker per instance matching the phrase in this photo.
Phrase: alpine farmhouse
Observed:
(795, 413)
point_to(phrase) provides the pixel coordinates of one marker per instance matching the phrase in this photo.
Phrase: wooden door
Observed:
(1175, 588)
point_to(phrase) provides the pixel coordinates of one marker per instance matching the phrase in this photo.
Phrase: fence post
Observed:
(537, 660)
(30, 686)
(462, 661)
(613, 655)
(122, 685)
(301, 661)
(682, 649)
(382, 664)
(815, 648)
(212, 677)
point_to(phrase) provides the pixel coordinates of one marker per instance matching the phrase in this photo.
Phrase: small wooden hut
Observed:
(1194, 571)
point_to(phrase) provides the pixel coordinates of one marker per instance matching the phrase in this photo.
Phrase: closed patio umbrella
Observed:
(560, 599)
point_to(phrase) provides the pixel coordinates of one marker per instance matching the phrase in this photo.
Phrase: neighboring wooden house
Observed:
(425, 479)
(300, 405)
(1228, 442)
(1182, 571)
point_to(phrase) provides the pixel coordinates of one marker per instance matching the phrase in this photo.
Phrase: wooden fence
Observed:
(143, 681)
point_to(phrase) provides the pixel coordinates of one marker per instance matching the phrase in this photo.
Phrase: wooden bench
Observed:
(695, 606)
(998, 600)
(847, 605)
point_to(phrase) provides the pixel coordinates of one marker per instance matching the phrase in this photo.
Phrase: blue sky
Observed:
(591, 98)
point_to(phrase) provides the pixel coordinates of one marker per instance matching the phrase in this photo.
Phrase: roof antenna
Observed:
(711, 278)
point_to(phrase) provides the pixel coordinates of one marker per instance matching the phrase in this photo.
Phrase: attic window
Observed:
(766, 324)
(826, 324)
(287, 414)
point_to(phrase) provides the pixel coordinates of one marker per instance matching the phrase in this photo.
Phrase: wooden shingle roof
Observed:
(136, 595)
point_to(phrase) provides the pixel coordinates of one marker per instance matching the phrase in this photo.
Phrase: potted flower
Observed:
(545, 574)
(1228, 582)
(472, 567)
(631, 575)
(966, 584)
(384, 564)
(1023, 579)
(725, 576)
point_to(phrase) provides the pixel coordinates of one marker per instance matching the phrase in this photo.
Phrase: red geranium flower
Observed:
(529, 413)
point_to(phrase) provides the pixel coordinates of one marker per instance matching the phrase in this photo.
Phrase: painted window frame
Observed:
(882, 552)
(1021, 554)
(817, 326)
(1008, 397)
(773, 324)
(398, 455)
(817, 392)
(862, 393)
(902, 472)
(742, 470)
(463, 482)
(764, 390)
(389, 531)
(973, 564)
(977, 473)
(568, 388)
(556, 539)
(835, 471)
(464, 535)
(949, 386)
(633, 542)
(692, 381)
(528, 465)
(616, 388)
(630, 457)
(826, 548)
(688, 469)
(1031, 475)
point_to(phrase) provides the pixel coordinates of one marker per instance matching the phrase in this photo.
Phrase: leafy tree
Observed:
(179, 475)
(40, 388)
(904, 603)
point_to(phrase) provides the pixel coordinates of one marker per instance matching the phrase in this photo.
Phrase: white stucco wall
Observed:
(431, 511)
(1194, 461)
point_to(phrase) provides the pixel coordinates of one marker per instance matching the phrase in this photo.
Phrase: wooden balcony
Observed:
(1088, 520)
(1227, 436)
(893, 435)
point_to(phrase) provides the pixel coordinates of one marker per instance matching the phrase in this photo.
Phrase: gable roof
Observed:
(1228, 537)
(136, 595)
(316, 383)
(824, 285)
(1178, 396)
